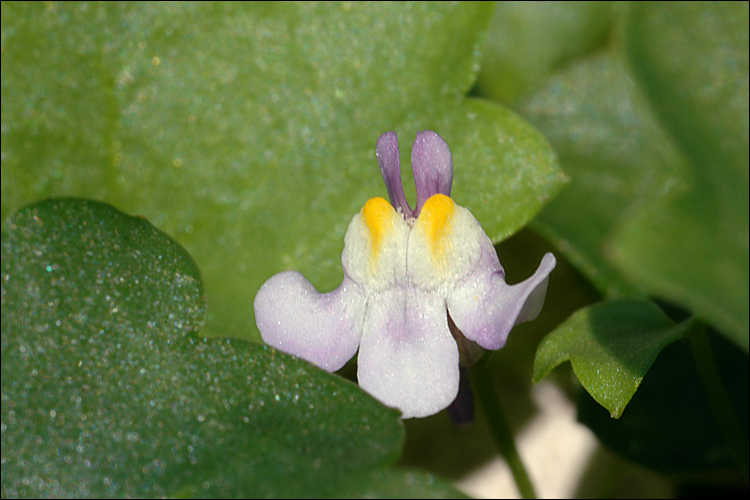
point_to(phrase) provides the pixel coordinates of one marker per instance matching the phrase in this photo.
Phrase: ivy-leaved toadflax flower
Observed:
(420, 285)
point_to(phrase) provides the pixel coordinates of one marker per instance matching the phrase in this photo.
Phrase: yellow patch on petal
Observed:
(436, 216)
(378, 217)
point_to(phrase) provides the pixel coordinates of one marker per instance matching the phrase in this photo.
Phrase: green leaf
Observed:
(611, 346)
(692, 62)
(657, 153)
(106, 393)
(615, 153)
(248, 130)
(493, 146)
(397, 483)
(669, 424)
(516, 59)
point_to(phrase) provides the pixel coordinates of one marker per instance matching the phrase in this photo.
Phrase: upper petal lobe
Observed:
(432, 163)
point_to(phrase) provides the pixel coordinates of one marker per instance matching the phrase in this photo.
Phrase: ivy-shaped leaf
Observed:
(653, 133)
(692, 248)
(516, 59)
(611, 346)
(107, 393)
(670, 424)
(616, 154)
(247, 130)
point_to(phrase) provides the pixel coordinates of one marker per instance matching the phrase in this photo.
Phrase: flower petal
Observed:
(390, 167)
(485, 308)
(432, 163)
(374, 253)
(444, 245)
(322, 328)
(408, 358)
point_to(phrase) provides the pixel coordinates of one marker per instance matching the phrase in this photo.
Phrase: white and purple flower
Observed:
(419, 287)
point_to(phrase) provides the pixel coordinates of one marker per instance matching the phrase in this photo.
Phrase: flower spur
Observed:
(408, 273)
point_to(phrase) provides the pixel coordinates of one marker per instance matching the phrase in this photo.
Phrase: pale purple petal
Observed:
(322, 328)
(390, 167)
(432, 163)
(485, 308)
(537, 284)
(408, 358)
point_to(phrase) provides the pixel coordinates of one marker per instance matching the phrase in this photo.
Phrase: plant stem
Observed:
(500, 429)
(718, 399)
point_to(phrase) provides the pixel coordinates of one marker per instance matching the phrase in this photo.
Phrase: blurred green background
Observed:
(617, 132)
